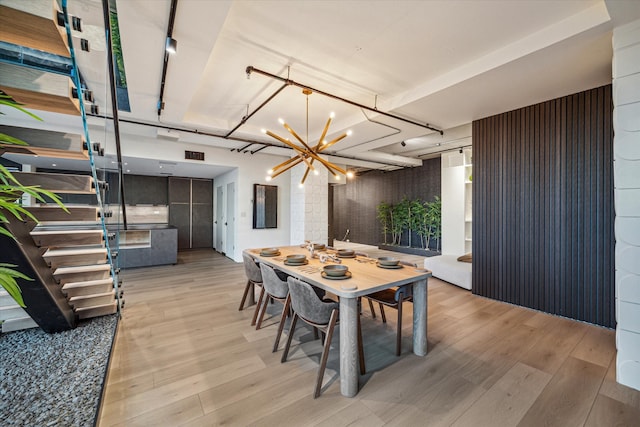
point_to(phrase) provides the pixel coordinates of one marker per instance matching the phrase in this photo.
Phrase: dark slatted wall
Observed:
(355, 203)
(543, 215)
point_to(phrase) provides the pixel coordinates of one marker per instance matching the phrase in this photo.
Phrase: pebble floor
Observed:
(54, 379)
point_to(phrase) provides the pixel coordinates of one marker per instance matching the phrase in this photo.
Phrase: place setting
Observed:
(294, 260)
(269, 252)
(346, 253)
(338, 272)
(388, 263)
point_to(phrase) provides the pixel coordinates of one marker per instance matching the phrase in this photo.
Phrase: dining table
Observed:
(365, 276)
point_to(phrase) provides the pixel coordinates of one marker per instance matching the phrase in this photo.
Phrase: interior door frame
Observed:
(230, 219)
(220, 219)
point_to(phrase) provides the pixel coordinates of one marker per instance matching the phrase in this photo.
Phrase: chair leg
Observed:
(325, 352)
(285, 353)
(363, 369)
(384, 318)
(255, 313)
(263, 309)
(373, 312)
(244, 295)
(283, 318)
(399, 333)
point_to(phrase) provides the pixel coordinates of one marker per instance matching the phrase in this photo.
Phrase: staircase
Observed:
(65, 253)
(12, 316)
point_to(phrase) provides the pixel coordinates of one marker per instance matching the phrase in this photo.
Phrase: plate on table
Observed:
(346, 256)
(269, 254)
(347, 275)
(390, 267)
(293, 264)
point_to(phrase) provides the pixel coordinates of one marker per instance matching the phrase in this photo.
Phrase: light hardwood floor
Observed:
(185, 355)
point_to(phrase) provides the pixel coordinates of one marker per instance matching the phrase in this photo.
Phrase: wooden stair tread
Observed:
(63, 252)
(91, 301)
(114, 304)
(58, 183)
(101, 310)
(53, 144)
(81, 269)
(111, 293)
(47, 214)
(97, 282)
(20, 27)
(38, 89)
(75, 257)
(38, 232)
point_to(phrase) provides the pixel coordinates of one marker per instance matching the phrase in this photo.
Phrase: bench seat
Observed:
(449, 269)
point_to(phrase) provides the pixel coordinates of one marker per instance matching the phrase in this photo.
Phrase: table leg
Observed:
(349, 346)
(420, 318)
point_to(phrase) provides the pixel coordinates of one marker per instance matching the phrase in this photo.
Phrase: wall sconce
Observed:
(172, 45)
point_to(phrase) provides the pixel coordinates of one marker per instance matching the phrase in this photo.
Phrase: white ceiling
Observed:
(445, 63)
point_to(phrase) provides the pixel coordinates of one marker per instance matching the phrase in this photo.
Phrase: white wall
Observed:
(253, 171)
(626, 144)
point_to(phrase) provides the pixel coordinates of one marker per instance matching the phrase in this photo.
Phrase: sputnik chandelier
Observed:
(307, 153)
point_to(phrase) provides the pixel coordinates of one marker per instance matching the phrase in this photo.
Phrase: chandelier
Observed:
(307, 153)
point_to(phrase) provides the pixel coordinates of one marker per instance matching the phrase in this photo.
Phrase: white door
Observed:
(231, 220)
(219, 221)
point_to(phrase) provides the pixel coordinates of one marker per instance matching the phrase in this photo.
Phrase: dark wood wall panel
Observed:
(543, 216)
(354, 203)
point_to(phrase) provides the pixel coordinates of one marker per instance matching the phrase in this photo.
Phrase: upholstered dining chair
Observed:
(254, 277)
(393, 298)
(277, 289)
(320, 314)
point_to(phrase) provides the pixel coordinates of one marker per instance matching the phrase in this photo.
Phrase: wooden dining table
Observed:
(366, 277)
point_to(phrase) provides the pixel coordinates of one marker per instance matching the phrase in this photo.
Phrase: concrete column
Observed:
(626, 123)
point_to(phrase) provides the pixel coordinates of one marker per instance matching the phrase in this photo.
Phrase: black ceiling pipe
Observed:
(245, 140)
(250, 69)
(248, 116)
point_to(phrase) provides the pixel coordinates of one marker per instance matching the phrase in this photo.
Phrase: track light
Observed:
(172, 45)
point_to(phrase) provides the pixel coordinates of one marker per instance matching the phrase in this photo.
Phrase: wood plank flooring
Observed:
(185, 356)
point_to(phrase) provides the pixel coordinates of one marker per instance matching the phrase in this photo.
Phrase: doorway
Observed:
(219, 221)
(230, 221)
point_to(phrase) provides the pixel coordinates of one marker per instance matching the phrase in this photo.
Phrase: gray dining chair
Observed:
(393, 298)
(276, 289)
(254, 277)
(320, 314)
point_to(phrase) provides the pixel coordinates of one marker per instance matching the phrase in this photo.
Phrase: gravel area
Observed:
(54, 379)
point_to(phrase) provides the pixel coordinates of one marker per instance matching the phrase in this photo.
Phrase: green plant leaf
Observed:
(8, 139)
(10, 102)
(8, 278)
